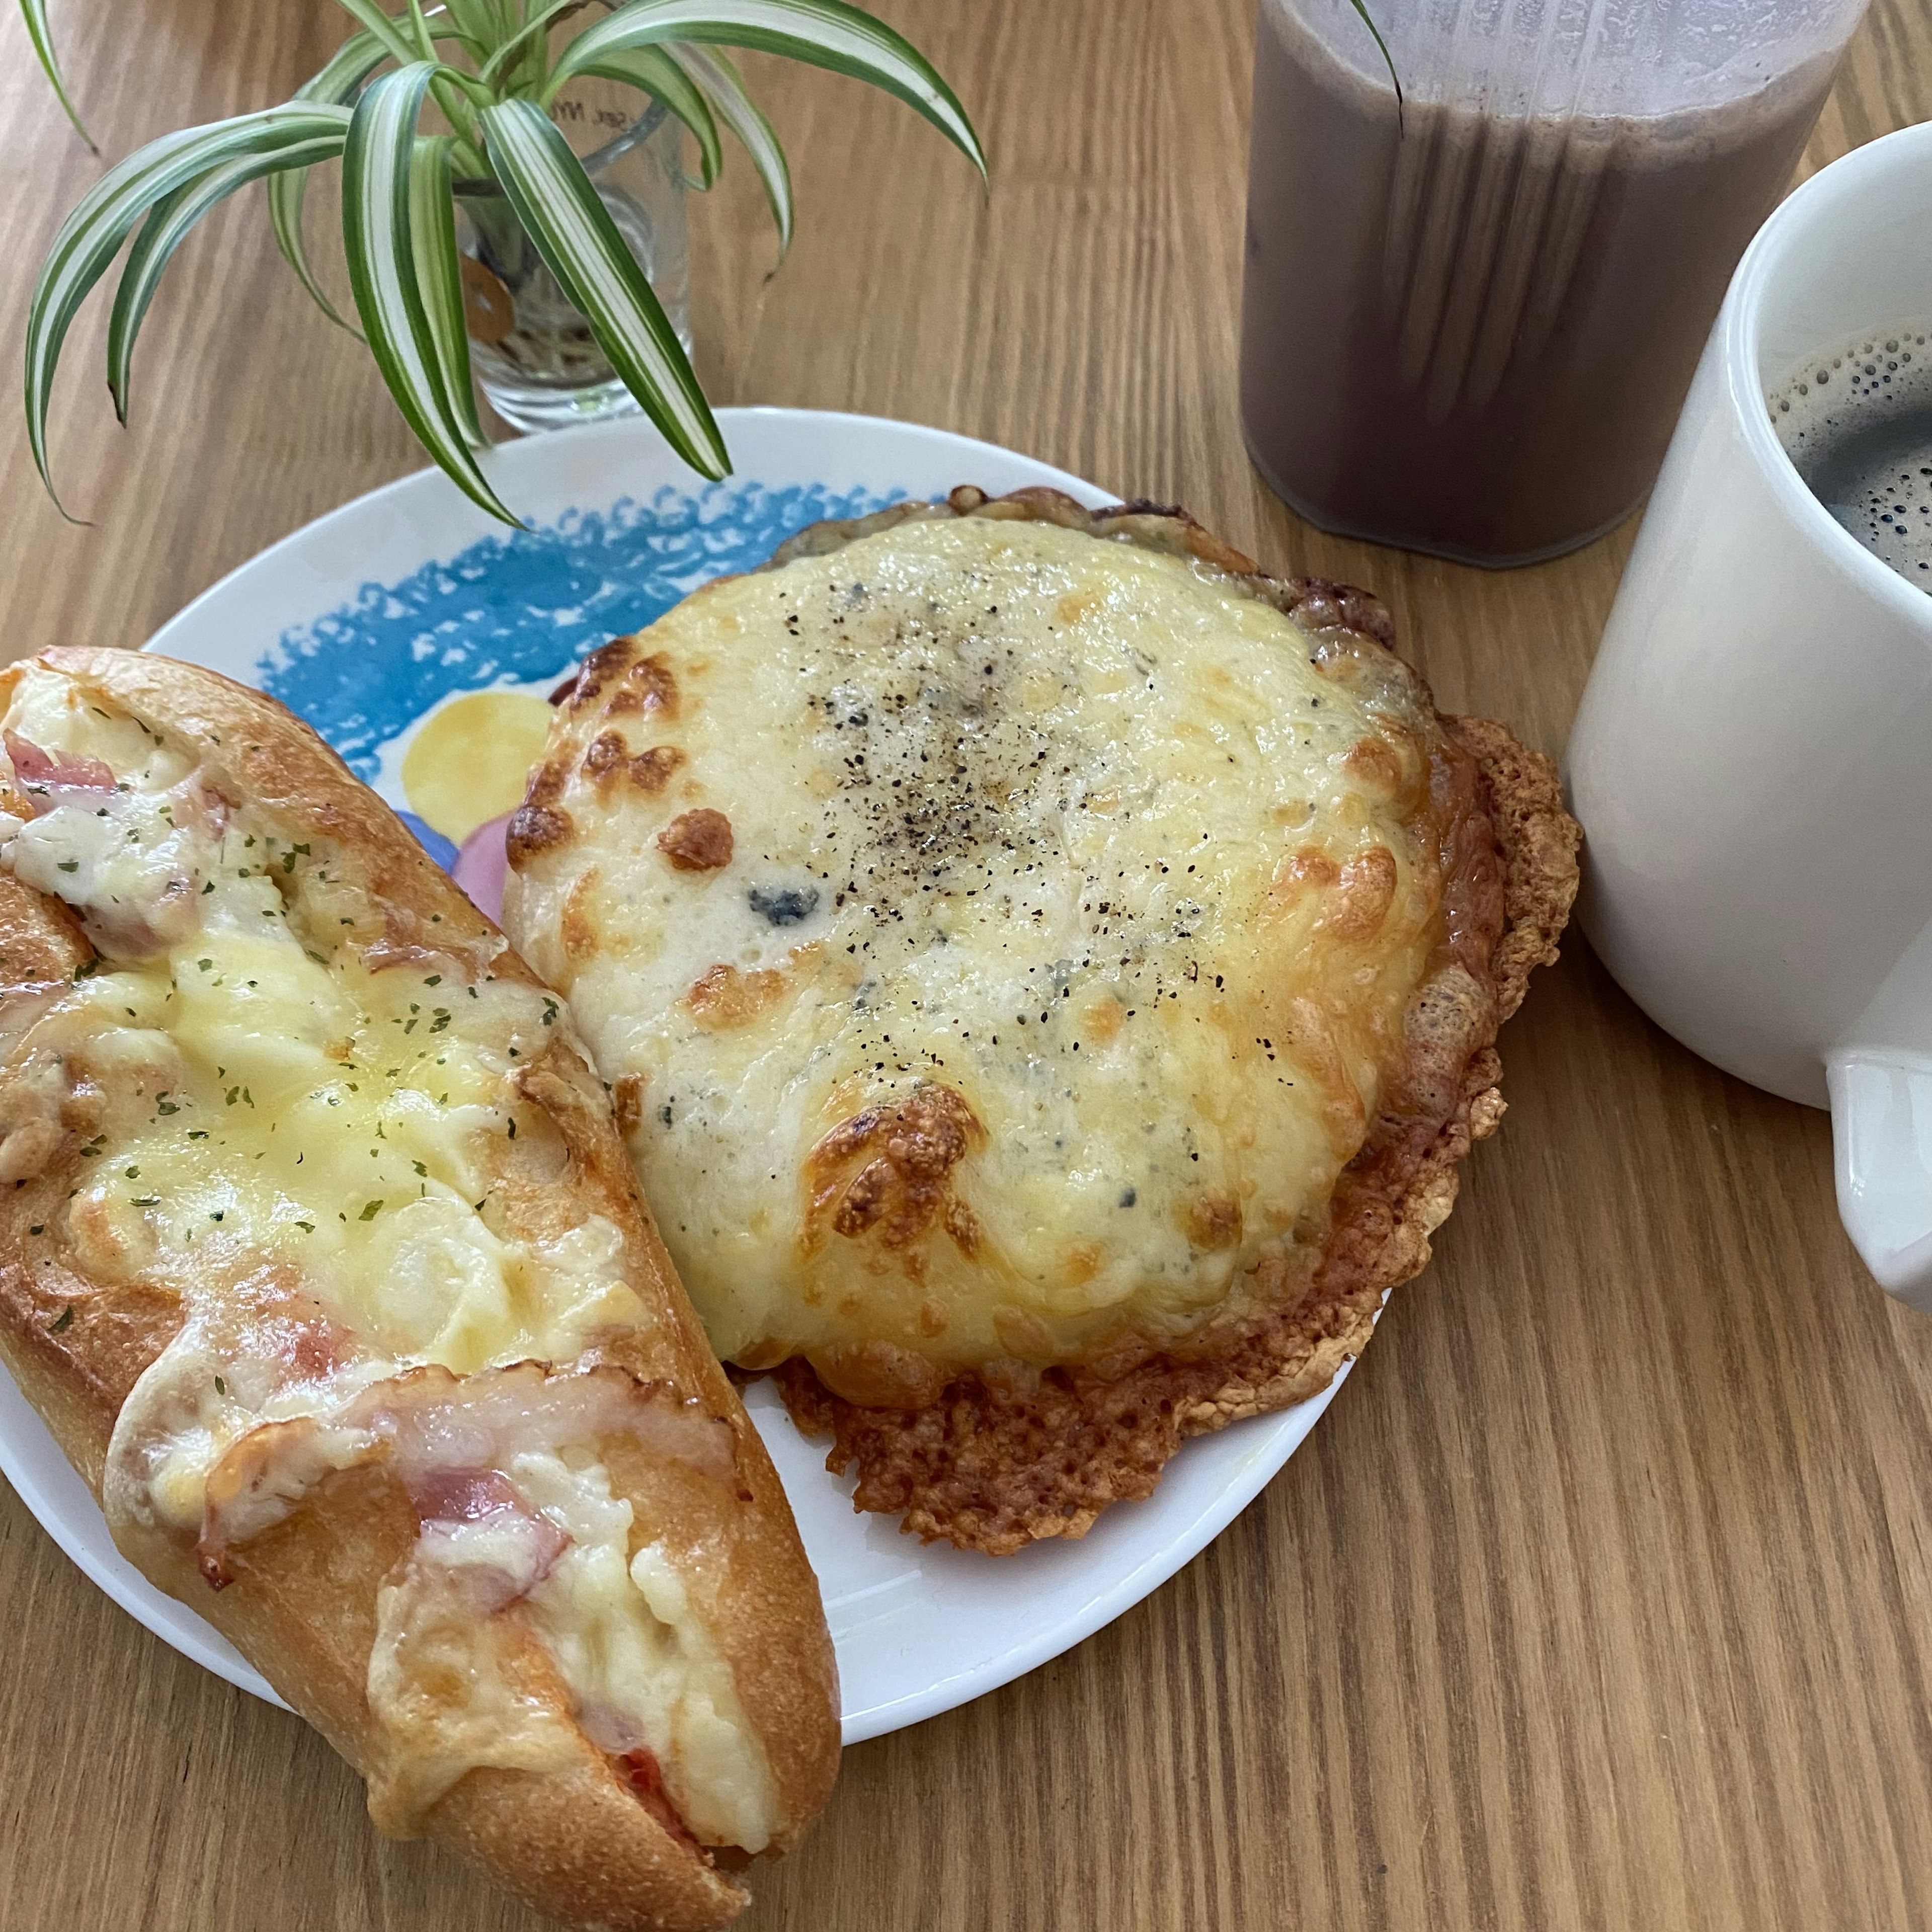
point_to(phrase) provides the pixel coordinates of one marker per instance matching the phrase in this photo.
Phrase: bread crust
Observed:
(573, 1839)
(997, 1462)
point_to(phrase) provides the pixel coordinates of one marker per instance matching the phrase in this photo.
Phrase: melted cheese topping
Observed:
(306, 1151)
(658, 1681)
(1072, 909)
(299, 1121)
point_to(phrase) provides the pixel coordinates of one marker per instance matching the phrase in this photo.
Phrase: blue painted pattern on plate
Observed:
(444, 851)
(516, 608)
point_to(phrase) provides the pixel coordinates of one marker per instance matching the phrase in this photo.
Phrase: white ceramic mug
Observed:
(1752, 763)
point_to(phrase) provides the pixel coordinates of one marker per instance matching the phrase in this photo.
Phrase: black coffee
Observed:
(1857, 425)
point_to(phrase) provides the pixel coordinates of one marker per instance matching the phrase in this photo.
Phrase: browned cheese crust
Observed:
(575, 1842)
(995, 1465)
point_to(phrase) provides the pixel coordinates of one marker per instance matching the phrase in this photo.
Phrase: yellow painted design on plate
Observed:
(468, 762)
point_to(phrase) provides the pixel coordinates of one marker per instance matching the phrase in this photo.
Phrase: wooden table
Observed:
(1604, 1596)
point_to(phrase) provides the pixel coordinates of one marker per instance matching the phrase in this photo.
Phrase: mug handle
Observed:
(1882, 1143)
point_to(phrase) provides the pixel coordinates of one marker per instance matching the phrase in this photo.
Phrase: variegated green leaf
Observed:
(526, 43)
(474, 25)
(560, 209)
(439, 277)
(1382, 47)
(397, 42)
(91, 236)
(377, 165)
(477, 21)
(820, 33)
(363, 52)
(715, 73)
(419, 30)
(354, 61)
(166, 227)
(349, 67)
(653, 70)
(42, 36)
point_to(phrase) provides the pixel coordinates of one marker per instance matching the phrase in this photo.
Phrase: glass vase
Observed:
(534, 355)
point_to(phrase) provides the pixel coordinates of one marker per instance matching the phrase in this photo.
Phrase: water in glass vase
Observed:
(534, 355)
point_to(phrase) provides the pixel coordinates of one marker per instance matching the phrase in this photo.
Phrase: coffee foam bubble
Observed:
(1856, 422)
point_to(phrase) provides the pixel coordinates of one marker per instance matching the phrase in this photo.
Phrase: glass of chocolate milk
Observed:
(1469, 322)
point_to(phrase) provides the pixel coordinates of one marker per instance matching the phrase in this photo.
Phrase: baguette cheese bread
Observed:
(321, 1257)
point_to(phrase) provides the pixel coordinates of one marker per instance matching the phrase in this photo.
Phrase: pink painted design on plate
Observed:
(482, 865)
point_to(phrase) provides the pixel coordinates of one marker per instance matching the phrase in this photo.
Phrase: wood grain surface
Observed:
(1602, 1597)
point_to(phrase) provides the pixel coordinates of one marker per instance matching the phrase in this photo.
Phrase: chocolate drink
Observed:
(1857, 424)
(1472, 335)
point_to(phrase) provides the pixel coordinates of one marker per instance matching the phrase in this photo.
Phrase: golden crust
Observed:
(574, 1841)
(1316, 603)
(996, 1463)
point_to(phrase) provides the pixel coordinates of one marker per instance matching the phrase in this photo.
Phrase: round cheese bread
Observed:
(1006, 931)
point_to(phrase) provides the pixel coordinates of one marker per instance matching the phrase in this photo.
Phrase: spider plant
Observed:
(491, 69)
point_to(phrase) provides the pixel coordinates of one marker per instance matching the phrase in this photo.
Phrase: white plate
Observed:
(368, 620)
